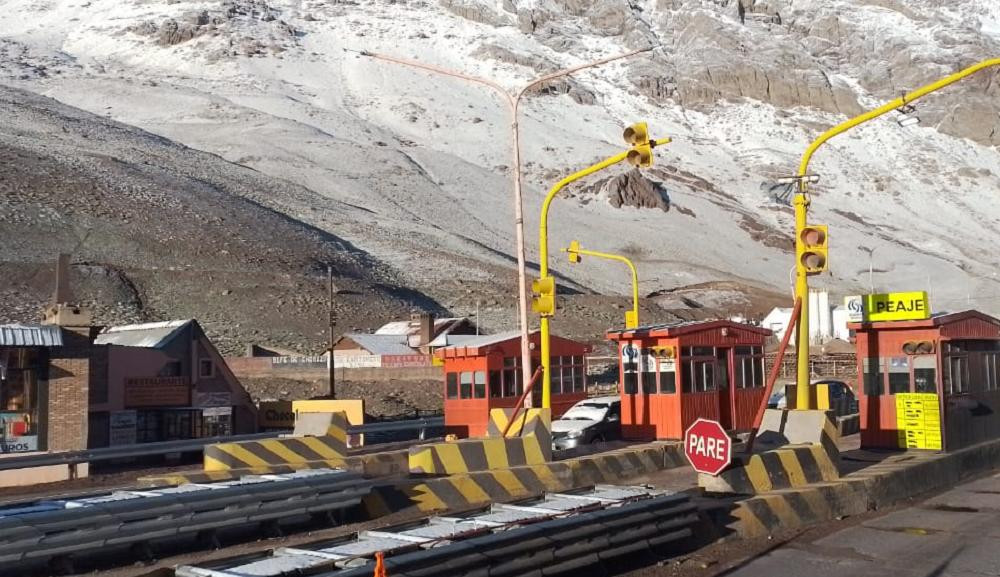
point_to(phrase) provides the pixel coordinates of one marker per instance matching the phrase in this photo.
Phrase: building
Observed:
(825, 322)
(483, 372)
(929, 383)
(45, 375)
(165, 381)
(400, 343)
(675, 373)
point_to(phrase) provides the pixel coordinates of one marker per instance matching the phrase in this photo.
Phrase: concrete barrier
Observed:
(899, 477)
(473, 489)
(329, 444)
(776, 469)
(531, 446)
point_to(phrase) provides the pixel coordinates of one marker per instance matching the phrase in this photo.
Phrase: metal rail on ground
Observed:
(558, 532)
(61, 529)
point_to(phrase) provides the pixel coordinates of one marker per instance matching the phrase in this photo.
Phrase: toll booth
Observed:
(672, 374)
(930, 383)
(484, 372)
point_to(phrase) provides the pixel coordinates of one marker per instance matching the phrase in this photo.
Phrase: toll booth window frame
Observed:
(570, 370)
(924, 373)
(647, 369)
(465, 385)
(479, 384)
(699, 373)
(630, 374)
(511, 384)
(668, 377)
(451, 385)
(898, 374)
(748, 360)
(990, 366)
(872, 370)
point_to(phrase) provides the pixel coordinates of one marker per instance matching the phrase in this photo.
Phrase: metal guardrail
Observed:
(194, 445)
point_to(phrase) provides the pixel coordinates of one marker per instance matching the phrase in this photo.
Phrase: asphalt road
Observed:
(955, 534)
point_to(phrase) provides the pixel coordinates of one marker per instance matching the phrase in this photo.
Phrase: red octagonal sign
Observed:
(708, 447)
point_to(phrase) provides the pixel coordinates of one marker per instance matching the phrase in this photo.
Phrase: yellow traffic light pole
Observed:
(639, 154)
(803, 398)
(631, 321)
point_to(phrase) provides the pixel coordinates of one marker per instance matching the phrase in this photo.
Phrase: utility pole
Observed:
(330, 321)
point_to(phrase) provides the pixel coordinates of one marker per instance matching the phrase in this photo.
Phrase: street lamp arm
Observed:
(543, 225)
(888, 107)
(445, 72)
(619, 258)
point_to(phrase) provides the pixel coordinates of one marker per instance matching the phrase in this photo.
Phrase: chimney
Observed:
(426, 329)
(63, 312)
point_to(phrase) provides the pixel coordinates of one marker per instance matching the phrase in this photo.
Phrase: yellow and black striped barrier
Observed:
(781, 468)
(296, 450)
(528, 442)
(476, 488)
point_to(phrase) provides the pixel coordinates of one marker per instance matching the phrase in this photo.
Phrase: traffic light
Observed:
(637, 136)
(574, 252)
(543, 299)
(811, 248)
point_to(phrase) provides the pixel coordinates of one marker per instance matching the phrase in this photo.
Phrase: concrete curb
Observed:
(899, 477)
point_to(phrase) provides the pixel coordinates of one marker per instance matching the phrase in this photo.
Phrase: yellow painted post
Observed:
(802, 205)
(631, 321)
(543, 260)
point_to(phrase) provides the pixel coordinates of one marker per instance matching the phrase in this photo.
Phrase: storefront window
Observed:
(20, 371)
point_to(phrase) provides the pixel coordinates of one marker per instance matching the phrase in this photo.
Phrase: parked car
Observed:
(589, 421)
(842, 397)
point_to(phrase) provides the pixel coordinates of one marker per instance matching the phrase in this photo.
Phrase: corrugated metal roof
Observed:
(30, 336)
(476, 341)
(382, 344)
(412, 327)
(147, 335)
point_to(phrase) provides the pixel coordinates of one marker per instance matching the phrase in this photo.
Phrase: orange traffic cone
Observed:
(380, 565)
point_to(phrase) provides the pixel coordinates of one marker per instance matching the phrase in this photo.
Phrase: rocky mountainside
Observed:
(158, 230)
(413, 170)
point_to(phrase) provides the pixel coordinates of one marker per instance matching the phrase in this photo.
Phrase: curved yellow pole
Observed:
(803, 396)
(635, 279)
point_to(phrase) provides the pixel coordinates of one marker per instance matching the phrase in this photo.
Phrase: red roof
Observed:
(934, 321)
(679, 328)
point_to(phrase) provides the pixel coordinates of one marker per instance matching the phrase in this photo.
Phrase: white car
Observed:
(589, 421)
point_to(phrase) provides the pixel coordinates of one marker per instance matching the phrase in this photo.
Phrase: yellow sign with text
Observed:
(911, 306)
(918, 421)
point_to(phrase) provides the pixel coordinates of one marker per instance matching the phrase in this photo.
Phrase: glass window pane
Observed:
(631, 383)
(480, 384)
(465, 385)
(668, 382)
(495, 384)
(452, 380)
(742, 372)
(873, 377)
(709, 376)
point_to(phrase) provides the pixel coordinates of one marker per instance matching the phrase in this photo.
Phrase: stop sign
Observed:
(708, 447)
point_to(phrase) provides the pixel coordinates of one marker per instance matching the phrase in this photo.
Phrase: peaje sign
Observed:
(708, 447)
(908, 306)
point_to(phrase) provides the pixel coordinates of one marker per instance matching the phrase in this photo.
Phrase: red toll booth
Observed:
(484, 372)
(674, 373)
(929, 384)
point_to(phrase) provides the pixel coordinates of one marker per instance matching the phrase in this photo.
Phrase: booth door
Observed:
(636, 385)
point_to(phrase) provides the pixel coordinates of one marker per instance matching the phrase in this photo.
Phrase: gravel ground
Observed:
(390, 398)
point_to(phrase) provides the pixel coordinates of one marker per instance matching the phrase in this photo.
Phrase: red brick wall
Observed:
(68, 403)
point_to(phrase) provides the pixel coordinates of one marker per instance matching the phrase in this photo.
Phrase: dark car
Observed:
(589, 421)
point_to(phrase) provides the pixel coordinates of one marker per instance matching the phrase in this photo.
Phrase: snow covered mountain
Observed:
(414, 168)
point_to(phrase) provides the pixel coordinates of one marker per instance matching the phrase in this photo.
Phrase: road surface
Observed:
(955, 534)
